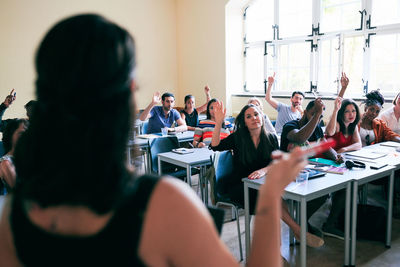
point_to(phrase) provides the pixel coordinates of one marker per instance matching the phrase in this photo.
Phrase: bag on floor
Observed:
(371, 222)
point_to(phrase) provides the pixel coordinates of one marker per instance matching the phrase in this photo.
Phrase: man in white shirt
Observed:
(391, 116)
(286, 113)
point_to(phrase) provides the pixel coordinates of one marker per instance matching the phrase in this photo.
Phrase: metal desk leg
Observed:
(291, 212)
(303, 225)
(347, 226)
(159, 166)
(389, 212)
(247, 219)
(205, 184)
(354, 224)
(189, 175)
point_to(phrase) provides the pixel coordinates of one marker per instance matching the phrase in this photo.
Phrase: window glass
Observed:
(259, 21)
(254, 69)
(385, 63)
(328, 65)
(339, 15)
(389, 13)
(295, 18)
(353, 65)
(293, 72)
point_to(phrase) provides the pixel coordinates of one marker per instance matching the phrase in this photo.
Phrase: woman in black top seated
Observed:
(75, 202)
(252, 147)
(191, 114)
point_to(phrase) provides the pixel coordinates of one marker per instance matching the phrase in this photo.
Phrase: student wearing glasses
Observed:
(372, 129)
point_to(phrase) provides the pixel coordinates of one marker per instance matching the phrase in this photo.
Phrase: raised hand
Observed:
(156, 98)
(206, 89)
(319, 106)
(219, 112)
(9, 99)
(338, 103)
(271, 80)
(344, 81)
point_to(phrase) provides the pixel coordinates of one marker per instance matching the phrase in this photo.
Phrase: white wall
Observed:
(23, 24)
(201, 48)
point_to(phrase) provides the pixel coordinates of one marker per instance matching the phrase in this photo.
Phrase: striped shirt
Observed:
(205, 129)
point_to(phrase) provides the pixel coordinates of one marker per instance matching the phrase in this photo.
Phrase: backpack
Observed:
(371, 222)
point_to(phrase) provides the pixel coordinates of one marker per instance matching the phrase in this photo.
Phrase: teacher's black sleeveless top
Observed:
(116, 244)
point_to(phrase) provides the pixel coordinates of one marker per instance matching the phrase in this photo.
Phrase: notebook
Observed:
(390, 143)
(367, 153)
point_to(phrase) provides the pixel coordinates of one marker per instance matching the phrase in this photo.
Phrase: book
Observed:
(321, 161)
(337, 170)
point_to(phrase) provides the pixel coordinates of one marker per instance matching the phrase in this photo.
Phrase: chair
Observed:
(223, 165)
(166, 144)
(144, 127)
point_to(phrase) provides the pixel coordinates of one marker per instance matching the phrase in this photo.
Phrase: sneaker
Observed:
(312, 241)
(332, 232)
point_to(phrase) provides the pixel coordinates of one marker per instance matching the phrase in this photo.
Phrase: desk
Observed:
(305, 192)
(144, 144)
(393, 160)
(199, 158)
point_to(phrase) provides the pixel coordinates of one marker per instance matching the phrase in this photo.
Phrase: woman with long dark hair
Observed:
(252, 147)
(75, 202)
(11, 134)
(342, 126)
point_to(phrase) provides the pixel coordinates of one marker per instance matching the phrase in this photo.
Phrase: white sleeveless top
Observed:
(367, 136)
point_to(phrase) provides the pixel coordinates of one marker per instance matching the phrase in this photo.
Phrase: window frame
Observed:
(365, 30)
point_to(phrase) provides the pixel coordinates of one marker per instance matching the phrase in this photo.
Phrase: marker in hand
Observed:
(318, 148)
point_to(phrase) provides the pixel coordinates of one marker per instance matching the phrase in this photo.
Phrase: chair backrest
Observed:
(1, 149)
(160, 145)
(223, 164)
(144, 127)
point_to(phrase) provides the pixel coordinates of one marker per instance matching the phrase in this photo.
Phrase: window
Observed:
(309, 43)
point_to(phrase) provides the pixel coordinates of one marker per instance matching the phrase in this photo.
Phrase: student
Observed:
(204, 131)
(252, 146)
(11, 134)
(7, 102)
(76, 204)
(304, 132)
(268, 125)
(391, 116)
(342, 126)
(373, 130)
(163, 116)
(29, 108)
(191, 114)
(285, 112)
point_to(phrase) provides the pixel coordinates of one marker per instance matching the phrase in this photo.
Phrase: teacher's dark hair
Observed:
(74, 150)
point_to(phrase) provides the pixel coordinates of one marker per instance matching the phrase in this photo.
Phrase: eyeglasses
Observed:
(367, 140)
